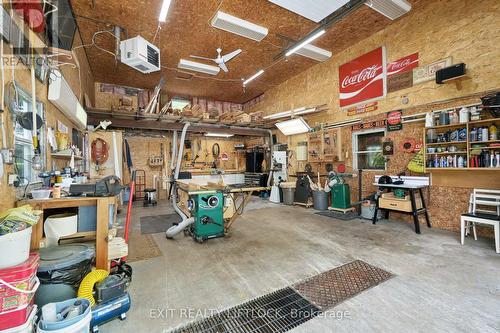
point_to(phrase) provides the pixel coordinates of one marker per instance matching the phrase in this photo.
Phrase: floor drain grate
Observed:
(327, 289)
(290, 307)
(277, 312)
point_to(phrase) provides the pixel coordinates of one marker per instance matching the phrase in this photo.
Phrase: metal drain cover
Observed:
(290, 307)
(336, 285)
(277, 312)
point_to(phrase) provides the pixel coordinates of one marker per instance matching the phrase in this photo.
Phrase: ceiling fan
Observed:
(221, 59)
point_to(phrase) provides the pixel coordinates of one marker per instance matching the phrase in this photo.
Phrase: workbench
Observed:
(237, 192)
(415, 211)
(103, 205)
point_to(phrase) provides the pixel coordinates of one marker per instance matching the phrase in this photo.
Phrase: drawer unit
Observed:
(388, 201)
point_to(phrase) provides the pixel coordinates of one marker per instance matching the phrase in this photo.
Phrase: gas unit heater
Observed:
(390, 8)
(314, 52)
(140, 54)
(238, 26)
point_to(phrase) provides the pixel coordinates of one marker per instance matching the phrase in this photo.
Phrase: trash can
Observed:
(288, 192)
(320, 200)
(61, 270)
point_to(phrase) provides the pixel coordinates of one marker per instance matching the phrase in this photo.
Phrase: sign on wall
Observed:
(369, 124)
(363, 79)
(362, 108)
(400, 73)
(428, 72)
(394, 121)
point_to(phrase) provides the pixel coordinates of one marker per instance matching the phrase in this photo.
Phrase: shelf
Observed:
(448, 153)
(459, 125)
(446, 143)
(486, 142)
(64, 156)
(468, 169)
(485, 121)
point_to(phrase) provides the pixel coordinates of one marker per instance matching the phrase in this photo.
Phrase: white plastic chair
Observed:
(482, 198)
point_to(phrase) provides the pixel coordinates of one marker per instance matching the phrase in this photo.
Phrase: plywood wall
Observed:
(81, 82)
(464, 30)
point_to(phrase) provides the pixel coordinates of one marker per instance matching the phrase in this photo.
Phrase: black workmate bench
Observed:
(412, 189)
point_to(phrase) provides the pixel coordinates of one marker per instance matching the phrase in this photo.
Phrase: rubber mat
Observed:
(339, 215)
(290, 307)
(158, 224)
(335, 286)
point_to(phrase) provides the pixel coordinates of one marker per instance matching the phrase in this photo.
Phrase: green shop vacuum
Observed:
(208, 213)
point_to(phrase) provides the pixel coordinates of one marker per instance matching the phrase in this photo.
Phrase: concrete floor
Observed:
(440, 286)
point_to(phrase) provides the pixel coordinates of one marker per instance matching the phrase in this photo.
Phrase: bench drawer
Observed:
(402, 205)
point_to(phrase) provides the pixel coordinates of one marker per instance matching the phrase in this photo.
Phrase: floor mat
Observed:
(290, 307)
(335, 286)
(158, 223)
(339, 215)
(142, 247)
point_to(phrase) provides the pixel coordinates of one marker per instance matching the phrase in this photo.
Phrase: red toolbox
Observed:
(18, 285)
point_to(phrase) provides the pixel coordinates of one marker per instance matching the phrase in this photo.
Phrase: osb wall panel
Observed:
(23, 78)
(436, 31)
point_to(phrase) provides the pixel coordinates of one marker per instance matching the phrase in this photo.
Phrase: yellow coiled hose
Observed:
(87, 286)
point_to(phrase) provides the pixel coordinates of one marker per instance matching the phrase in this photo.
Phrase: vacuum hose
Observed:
(88, 282)
(174, 230)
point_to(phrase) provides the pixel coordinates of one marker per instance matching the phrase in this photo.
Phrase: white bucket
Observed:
(57, 226)
(27, 327)
(17, 245)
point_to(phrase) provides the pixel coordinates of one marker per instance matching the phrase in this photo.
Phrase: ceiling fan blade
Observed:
(231, 55)
(223, 67)
(204, 58)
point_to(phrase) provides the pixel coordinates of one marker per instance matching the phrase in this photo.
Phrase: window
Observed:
(23, 142)
(367, 149)
(179, 103)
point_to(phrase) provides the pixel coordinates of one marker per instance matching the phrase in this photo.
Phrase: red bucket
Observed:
(18, 285)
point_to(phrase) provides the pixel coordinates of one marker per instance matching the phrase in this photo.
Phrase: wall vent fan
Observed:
(239, 27)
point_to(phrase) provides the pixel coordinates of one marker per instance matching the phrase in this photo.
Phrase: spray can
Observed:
(473, 135)
(484, 135)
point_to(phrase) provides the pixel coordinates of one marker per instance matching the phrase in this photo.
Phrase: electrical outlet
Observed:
(12, 179)
(8, 156)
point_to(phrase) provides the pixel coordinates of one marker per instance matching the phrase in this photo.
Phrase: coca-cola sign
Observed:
(363, 79)
(403, 65)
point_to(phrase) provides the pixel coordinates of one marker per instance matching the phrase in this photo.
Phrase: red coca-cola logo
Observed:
(403, 65)
(399, 64)
(364, 75)
(394, 117)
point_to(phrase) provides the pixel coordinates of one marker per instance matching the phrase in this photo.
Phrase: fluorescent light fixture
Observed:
(253, 77)
(296, 112)
(293, 126)
(314, 52)
(238, 26)
(305, 42)
(391, 9)
(314, 10)
(198, 67)
(164, 10)
(219, 135)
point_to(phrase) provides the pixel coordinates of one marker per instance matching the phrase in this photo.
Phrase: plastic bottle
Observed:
(485, 134)
(473, 135)
(464, 115)
(461, 162)
(493, 132)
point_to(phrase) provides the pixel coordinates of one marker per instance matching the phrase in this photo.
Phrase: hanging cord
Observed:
(97, 33)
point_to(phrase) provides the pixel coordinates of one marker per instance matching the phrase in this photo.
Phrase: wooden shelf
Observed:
(65, 156)
(485, 142)
(473, 169)
(446, 143)
(448, 153)
(459, 125)
(484, 121)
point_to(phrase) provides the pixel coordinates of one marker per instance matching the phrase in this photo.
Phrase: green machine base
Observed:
(341, 196)
(208, 212)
